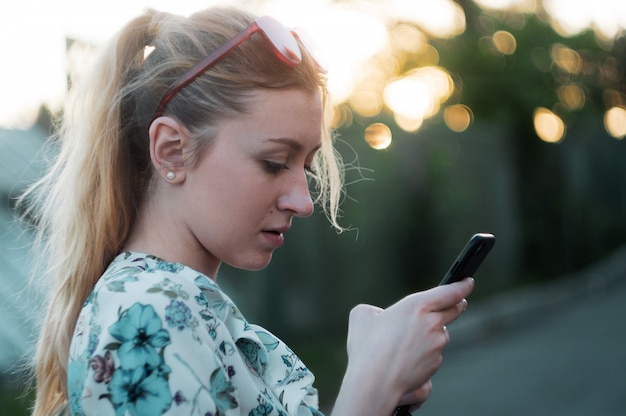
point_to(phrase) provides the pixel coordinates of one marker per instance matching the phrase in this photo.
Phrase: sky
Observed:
(33, 57)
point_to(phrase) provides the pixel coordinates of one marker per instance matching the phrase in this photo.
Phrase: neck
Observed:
(156, 232)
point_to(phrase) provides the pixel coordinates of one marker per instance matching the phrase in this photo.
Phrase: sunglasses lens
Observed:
(311, 47)
(281, 39)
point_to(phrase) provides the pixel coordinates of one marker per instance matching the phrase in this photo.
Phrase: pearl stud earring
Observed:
(170, 175)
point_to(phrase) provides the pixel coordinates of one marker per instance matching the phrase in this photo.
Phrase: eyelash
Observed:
(275, 168)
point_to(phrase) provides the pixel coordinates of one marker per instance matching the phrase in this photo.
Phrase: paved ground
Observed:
(563, 353)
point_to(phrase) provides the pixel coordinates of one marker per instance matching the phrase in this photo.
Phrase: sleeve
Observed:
(145, 337)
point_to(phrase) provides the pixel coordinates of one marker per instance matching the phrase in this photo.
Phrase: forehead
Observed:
(279, 114)
(283, 103)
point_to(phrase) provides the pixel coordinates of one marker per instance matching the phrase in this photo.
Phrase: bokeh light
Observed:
(367, 102)
(566, 59)
(548, 126)
(439, 18)
(419, 94)
(615, 122)
(409, 97)
(606, 17)
(458, 117)
(504, 42)
(408, 38)
(572, 96)
(378, 136)
(408, 124)
(525, 6)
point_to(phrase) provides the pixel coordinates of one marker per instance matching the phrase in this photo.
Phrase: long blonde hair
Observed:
(85, 206)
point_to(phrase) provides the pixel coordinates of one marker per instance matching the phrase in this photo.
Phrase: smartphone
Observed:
(470, 258)
(464, 266)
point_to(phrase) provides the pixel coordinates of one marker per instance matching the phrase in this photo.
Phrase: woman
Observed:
(191, 143)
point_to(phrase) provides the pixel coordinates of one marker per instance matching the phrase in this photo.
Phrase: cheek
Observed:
(249, 198)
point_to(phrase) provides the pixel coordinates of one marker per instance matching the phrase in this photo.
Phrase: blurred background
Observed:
(455, 117)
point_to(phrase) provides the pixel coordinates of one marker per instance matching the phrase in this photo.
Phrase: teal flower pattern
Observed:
(158, 338)
(263, 409)
(178, 315)
(140, 392)
(140, 333)
(222, 391)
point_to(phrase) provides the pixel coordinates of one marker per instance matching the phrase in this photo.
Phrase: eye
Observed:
(273, 167)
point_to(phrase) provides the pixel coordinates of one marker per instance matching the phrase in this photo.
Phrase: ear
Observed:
(167, 142)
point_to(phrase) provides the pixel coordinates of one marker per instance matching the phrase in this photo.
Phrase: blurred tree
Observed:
(505, 66)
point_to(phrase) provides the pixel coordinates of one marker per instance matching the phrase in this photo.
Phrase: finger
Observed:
(451, 314)
(417, 397)
(446, 296)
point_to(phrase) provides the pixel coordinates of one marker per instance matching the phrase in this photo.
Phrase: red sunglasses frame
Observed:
(284, 42)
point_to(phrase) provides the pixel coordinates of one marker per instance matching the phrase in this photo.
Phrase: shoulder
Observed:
(139, 292)
(136, 271)
(143, 325)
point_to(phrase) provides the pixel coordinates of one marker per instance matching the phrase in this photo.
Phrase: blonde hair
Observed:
(85, 205)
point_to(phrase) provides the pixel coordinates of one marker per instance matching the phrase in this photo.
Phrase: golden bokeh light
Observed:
(504, 42)
(525, 6)
(341, 116)
(437, 78)
(441, 19)
(458, 117)
(572, 96)
(615, 122)
(419, 94)
(548, 126)
(567, 59)
(366, 102)
(378, 136)
(606, 18)
(409, 38)
(408, 124)
(408, 97)
(430, 57)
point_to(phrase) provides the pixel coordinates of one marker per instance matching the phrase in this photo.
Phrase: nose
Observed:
(297, 198)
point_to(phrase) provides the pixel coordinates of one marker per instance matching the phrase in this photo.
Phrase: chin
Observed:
(252, 264)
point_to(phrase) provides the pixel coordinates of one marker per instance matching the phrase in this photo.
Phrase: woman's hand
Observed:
(394, 352)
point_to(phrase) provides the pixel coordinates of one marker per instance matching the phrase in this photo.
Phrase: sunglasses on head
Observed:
(284, 42)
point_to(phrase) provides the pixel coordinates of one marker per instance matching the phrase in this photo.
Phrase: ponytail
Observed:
(85, 205)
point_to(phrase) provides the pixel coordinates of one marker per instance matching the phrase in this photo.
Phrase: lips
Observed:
(275, 236)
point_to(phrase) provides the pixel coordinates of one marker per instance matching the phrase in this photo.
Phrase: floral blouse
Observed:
(158, 338)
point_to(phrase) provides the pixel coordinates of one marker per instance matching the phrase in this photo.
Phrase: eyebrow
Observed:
(293, 144)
